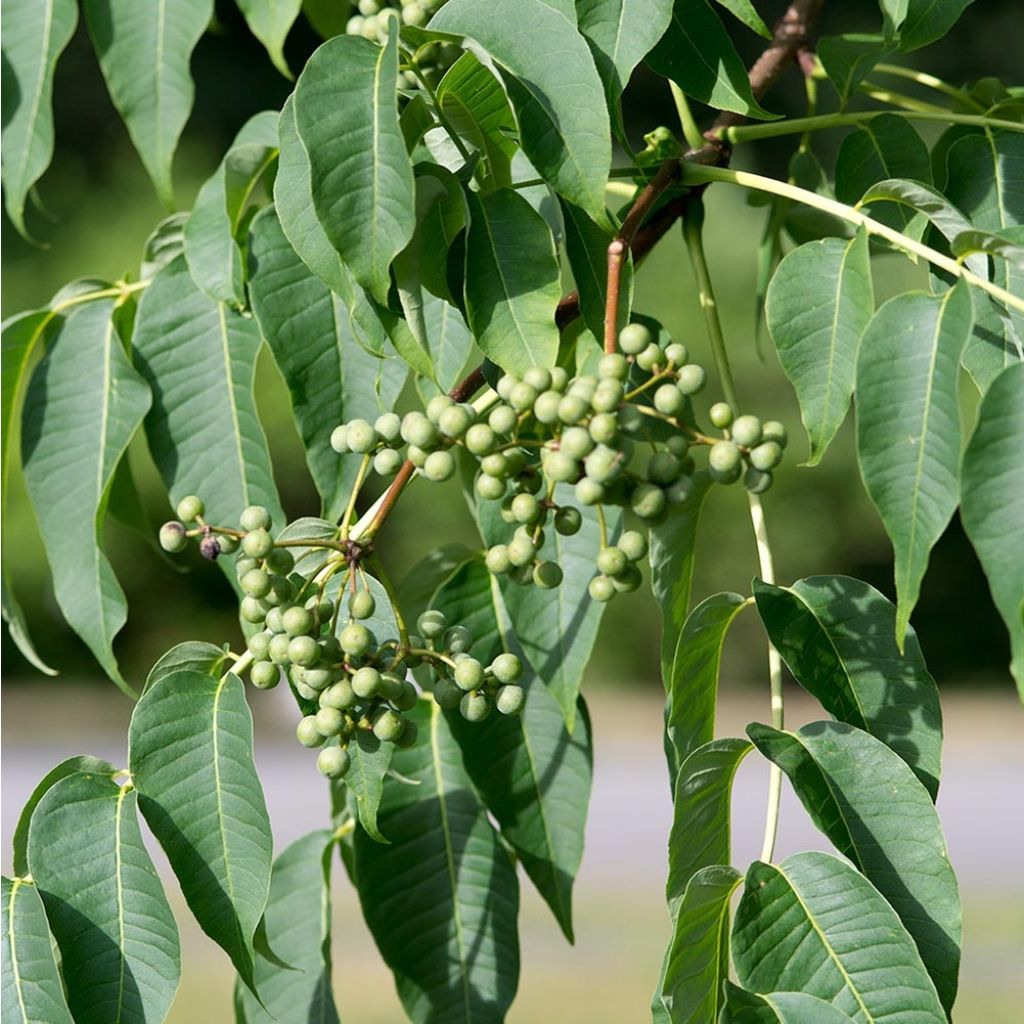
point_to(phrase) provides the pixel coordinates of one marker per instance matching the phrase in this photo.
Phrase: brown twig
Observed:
(616, 252)
(642, 232)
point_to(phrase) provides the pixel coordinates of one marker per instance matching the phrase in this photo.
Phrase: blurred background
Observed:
(100, 207)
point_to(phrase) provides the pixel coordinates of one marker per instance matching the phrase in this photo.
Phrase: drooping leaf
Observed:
(554, 88)
(442, 899)
(298, 922)
(330, 376)
(698, 55)
(347, 117)
(32, 989)
(621, 33)
(884, 147)
(212, 231)
(532, 774)
(191, 758)
(203, 430)
(270, 22)
(813, 924)
(118, 942)
(908, 426)
(992, 494)
(190, 656)
(328, 17)
(451, 344)
(837, 636)
(371, 760)
(165, 241)
(34, 37)
(866, 800)
(83, 405)
(673, 546)
(921, 22)
(819, 303)
(698, 958)
(745, 12)
(742, 1007)
(17, 629)
(692, 685)
(848, 60)
(144, 52)
(512, 281)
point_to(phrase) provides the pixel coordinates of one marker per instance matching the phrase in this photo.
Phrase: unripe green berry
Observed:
(172, 537)
(458, 640)
(502, 419)
(506, 668)
(521, 575)
(255, 517)
(669, 400)
(341, 695)
(228, 544)
(297, 621)
(317, 678)
(650, 357)
(648, 501)
(633, 545)
(387, 462)
(757, 481)
(601, 589)
(521, 551)
(773, 430)
(613, 366)
(746, 431)
(339, 439)
(278, 648)
(304, 651)
(608, 396)
(767, 455)
(475, 707)
(330, 650)
(437, 406)
(406, 697)
(361, 604)
(576, 442)
(257, 645)
(418, 430)
(568, 521)
(257, 544)
(509, 700)
(572, 408)
(333, 762)
(676, 353)
(547, 575)
(546, 407)
(724, 457)
(389, 426)
(589, 492)
(611, 561)
(280, 561)
(496, 465)
(525, 508)
(529, 483)
(432, 624)
(583, 387)
(255, 583)
(387, 725)
(522, 397)
(603, 463)
(561, 467)
(691, 379)
(628, 580)
(264, 675)
(307, 733)
(455, 421)
(559, 378)
(390, 685)
(362, 437)
(480, 439)
(497, 560)
(190, 508)
(304, 691)
(634, 338)
(282, 591)
(355, 639)
(663, 468)
(416, 455)
(439, 466)
(274, 622)
(446, 693)
(409, 733)
(506, 382)
(366, 682)
(468, 673)
(538, 378)
(721, 415)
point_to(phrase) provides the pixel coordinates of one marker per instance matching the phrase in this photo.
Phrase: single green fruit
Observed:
(506, 382)
(669, 400)
(439, 466)
(568, 521)
(406, 697)
(650, 358)
(446, 693)
(607, 396)
(317, 678)
(613, 367)
(724, 457)
(468, 673)
(339, 439)
(172, 537)
(307, 733)
(633, 545)
(691, 379)
(258, 645)
(746, 431)
(329, 721)
(601, 588)
(721, 415)
(589, 492)
(545, 408)
(767, 455)
(253, 610)
(521, 550)
(491, 488)
(611, 561)
(628, 581)
(537, 377)
(389, 426)
(583, 387)
(603, 463)
(757, 481)
(559, 378)
(278, 648)
(455, 421)
(506, 668)
(304, 691)
(297, 621)
(341, 695)
(547, 575)
(432, 624)
(604, 428)
(257, 544)
(497, 560)
(522, 397)
(497, 465)
(631, 420)
(362, 438)
(676, 353)
(525, 508)
(509, 700)
(190, 508)
(265, 675)
(437, 406)
(366, 682)
(282, 591)
(458, 640)
(502, 419)
(274, 621)
(773, 430)
(561, 467)
(410, 731)
(680, 491)
(480, 439)
(255, 517)
(573, 408)
(418, 430)
(330, 650)
(576, 442)
(243, 564)
(475, 707)
(387, 462)
(228, 544)
(304, 651)
(417, 455)
(634, 338)
(387, 725)
(280, 561)
(663, 468)
(361, 605)
(333, 762)
(255, 583)
(355, 639)
(648, 501)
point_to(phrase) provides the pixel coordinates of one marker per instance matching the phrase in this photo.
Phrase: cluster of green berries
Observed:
(371, 22)
(175, 535)
(750, 449)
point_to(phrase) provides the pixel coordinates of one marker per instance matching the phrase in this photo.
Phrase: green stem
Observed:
(693, 222)
(364, 467)
(897, 99)
(120, 290)
(445, 123)
(692, 134)
(695, 174)
(798, 125)
(389, 588)
(922, 78)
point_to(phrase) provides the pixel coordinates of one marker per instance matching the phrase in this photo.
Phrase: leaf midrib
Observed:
(16, 883)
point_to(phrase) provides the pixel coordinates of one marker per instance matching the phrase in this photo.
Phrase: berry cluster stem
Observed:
(616, 254)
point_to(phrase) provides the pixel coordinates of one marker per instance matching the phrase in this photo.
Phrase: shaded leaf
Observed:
(813, 924)
(866, 800)
(17, 629)
(144, 52)
(819, 303)
(742, 1007)
(992, 493)
(921, 22)
(270, 22)
(190, 656)
(745, 12)
(371, 760)
(191, 757)
(83, 405)
(908, 426)
(118, 943)
(849, 59)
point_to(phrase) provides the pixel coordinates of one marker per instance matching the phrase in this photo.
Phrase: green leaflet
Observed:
(203, 430)
(165, 241)
(745, 12)
(17, 629)
(298, 922)
(819, 303)
(837, 636)
(32, 989)
(908, 426)
(673, 547)
(34, 37)
(118, 942)
(848, 60)
(371, 760)
(416, 589)
(144, 54)
(452, 349)
(214, 229)
(813, 924)
(81, 763)
(992, 496)
(442, 899)
(885, 147)
(532, 774)
(586, 246)
(190, 751)
(362, 185)
(331, 378)
(270, 22)
(554, 88)
(698, 959)
(513, 281)
(83, 405)
(621, 33)
(190, 656)
(866, 800)
(920, 22)
(742, 1007)
(698, 55)
(692, 685)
